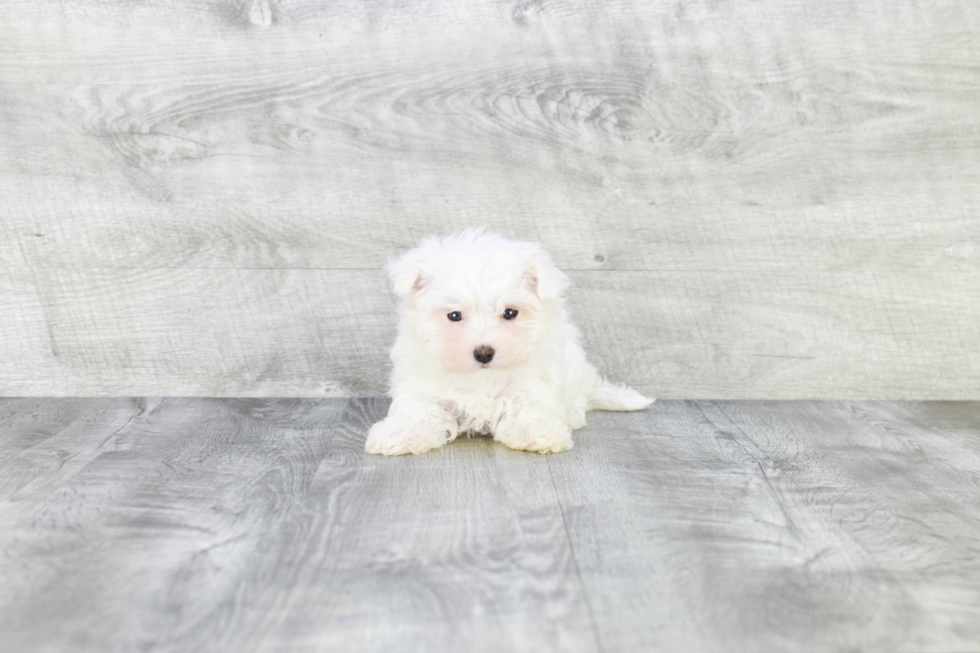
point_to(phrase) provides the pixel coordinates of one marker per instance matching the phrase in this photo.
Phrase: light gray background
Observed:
(753, 199)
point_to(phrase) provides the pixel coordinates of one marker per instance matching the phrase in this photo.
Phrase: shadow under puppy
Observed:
(485, 344)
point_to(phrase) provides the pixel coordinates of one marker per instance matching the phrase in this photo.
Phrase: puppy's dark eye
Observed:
(510, 314)
(455, 316)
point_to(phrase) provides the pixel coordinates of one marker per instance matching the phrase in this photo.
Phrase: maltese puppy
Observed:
(486, 345)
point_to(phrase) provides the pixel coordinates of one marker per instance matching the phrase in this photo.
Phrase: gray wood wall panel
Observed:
(754, 200)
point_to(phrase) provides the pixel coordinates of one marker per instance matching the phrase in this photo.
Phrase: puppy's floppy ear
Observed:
(407, 272)
(541, 275)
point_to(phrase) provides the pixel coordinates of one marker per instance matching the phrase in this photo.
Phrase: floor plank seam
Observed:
(141, 410)
(791, 524)
(339, 421)
(578, 570)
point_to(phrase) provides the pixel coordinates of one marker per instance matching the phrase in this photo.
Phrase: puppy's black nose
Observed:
(483, 353)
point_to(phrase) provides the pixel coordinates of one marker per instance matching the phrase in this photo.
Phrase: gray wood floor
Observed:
(260, 525)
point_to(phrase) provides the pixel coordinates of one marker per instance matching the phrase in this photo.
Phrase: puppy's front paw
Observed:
(389, 438)
(535, 434)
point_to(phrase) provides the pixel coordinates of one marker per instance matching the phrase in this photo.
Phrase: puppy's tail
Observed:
(616, 396)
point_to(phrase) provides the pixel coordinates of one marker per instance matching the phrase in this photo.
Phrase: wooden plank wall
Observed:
(753, 199)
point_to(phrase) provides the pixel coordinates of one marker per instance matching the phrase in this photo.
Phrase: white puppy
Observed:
(486, 345)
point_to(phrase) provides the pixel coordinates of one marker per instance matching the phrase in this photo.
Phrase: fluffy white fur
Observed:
(538, 386)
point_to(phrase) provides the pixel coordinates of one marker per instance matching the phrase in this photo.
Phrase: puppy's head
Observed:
(477, 300)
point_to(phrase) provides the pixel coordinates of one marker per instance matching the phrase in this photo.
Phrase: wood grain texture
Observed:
(260, 525)
(778, 525)
(794, 176)
(191, 496)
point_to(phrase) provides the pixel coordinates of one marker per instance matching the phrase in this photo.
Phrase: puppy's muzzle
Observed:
(483, 353)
